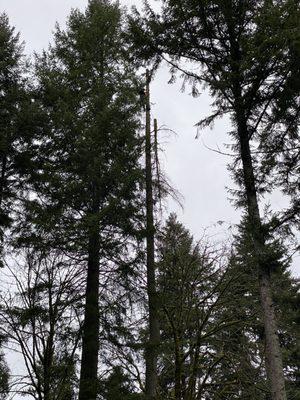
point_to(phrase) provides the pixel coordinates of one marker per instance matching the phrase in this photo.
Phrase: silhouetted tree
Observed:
(242, 51)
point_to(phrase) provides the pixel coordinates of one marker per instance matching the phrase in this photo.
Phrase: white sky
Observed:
(199, 174)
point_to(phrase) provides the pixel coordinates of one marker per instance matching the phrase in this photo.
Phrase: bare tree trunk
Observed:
(154, 334)
(49, 350)
(178, 368)
(273, 360)
(88, 385)
(2, 177)
(48, 364)
(2, 188)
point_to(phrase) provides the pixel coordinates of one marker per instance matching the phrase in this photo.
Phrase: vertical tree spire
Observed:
(153, 323)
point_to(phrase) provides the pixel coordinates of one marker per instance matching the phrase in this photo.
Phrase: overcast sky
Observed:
(199, 174)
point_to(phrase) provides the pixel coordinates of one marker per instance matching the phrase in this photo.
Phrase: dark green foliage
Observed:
(117, 386)
(193, 286)
(212, 331)
(87, 174)
(287, 300)
(242, 372)
(70, 155)
(89, 144)
(18, 117)
(245, 53)
(11, 92)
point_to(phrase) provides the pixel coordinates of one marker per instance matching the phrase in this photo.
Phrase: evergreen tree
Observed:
(17, 113)
(87, 162)
(117, 387)
(243, 52)
(193, 286)
(212, 330)
(242, 373)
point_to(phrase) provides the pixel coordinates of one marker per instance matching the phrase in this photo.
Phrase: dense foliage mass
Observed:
(104, 297)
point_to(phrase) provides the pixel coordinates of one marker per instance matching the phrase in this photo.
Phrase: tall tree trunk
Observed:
(154, 334)
(2, 177)
(191, 387)
(88, 385)
(48, 364)
(48, 354)
(2, 217)
(49, 350)
(178, 368)
(273, 360)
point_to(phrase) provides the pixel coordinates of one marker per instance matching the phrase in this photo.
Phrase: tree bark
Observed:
(154, 333)
(88, 385)
(2, 217)
(48, 357)
(191, 387)
(273, 360)
(178, 369)
(2, 177)
(48, 364)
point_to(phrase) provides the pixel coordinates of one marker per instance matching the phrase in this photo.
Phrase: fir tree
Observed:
(17, 115)
(242, 373)
(117, 387)
(193, 286)
(87, 165)
(243, 52)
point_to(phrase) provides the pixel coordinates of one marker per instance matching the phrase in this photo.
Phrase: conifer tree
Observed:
(16, 123)
(228, 362)
(242, 51)
(118, 387)
(87, 164)
(193, 287)
(242, 372)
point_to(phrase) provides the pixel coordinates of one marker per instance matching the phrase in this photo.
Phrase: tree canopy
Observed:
(105, 293)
